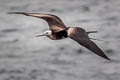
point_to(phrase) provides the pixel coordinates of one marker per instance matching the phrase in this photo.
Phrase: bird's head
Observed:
(46, 33)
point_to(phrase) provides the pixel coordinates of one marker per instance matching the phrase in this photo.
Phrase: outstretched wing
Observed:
(82, 38)
(53, 21)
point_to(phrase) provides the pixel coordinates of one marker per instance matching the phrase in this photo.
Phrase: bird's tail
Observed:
(94, 32)
(91, 32)
(96, 39)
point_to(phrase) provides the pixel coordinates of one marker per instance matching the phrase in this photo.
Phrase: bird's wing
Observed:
(53, 21)
(80, 35)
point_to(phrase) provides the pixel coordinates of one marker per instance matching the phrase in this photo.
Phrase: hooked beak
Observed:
(43, 34)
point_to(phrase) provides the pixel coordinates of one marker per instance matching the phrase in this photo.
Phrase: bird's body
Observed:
(59, 35)
(58, 30)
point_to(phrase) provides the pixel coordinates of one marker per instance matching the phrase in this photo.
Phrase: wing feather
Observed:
(54, 22)
(81, 36)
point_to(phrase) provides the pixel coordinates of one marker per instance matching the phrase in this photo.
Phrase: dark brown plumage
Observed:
(82, 38)
(60, 31)
(54, 22)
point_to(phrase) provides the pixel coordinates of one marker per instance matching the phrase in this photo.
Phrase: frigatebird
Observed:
(58, 30)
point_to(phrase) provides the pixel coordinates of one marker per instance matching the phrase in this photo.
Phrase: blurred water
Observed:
(25, 57)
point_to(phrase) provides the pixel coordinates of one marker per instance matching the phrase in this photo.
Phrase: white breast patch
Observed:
(71, 31)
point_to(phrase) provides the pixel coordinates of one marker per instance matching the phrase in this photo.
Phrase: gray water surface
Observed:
(25, 57)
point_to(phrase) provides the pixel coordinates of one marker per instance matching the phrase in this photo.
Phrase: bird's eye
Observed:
(46, 33)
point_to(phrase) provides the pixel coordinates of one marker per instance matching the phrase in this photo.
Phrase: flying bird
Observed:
(58, 30)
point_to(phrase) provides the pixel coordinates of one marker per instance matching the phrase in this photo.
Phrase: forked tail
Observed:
(96, 39)
(91, 32)
(94, 32)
